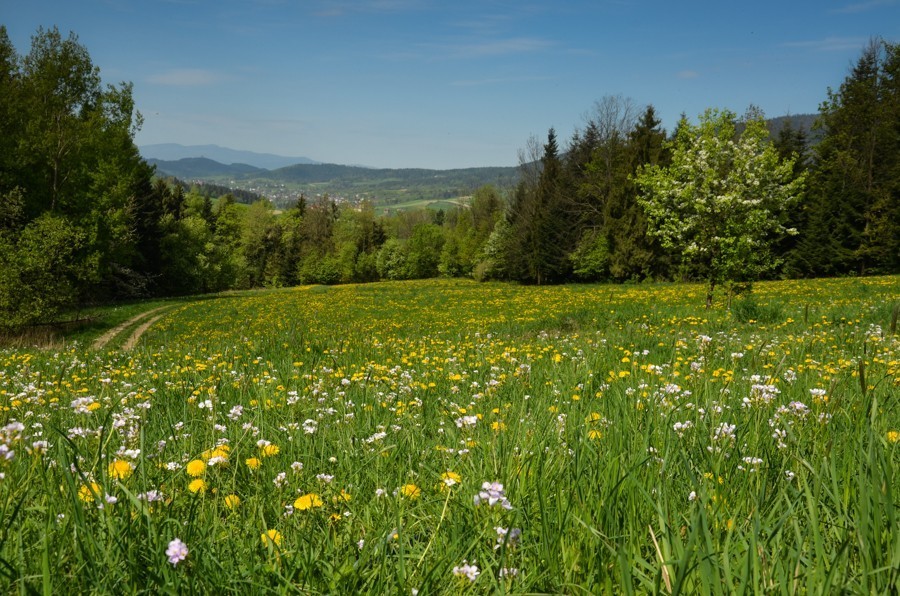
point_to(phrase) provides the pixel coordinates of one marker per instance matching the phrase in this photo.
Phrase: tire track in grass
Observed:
(133, 339)
(107, 337)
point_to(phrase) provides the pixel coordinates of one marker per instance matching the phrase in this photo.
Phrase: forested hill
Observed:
(202, 167)
(353, 175)
(383, 186)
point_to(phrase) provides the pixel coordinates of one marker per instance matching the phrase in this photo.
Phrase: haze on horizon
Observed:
(429, 84)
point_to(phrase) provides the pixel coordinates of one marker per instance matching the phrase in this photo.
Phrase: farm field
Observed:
(444, 436)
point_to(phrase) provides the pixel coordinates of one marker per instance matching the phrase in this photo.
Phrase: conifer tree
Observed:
(851, 219)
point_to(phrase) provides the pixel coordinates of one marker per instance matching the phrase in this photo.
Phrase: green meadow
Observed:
(445, 437)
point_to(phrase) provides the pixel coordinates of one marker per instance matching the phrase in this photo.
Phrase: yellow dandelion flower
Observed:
(232, 501)
(87, 492)
(595, 434)
(196, 467)
(893, 436)
(120, 469)
(307, 501)
(253, 463)
(410, 491)
(269, 450)
(271, 537)
(342, 496)
(449, 479)
(498, 426)
(221, 451)
(198, 485)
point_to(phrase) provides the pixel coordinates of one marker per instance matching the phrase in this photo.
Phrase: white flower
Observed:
(493, 494)
(177, 551)
(467, 421)
(466, 570)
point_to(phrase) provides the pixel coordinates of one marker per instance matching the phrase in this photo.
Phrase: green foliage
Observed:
(423, 251)
(69, 168)
(850, 224)
(540, 237)
(324, 270)
(391, 261)
(40, 271)
(723, 199)
(590, 259)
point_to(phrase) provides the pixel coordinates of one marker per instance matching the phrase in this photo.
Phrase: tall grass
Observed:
(644, 444)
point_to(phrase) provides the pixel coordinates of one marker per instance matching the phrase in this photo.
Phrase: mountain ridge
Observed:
(223, 155)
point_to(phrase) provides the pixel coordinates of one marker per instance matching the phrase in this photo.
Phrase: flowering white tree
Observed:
(722, 200)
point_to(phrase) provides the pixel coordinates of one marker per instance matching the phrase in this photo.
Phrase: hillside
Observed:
(200, 168)
(384, 187)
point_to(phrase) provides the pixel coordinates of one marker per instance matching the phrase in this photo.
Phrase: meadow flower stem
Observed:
(436, 529)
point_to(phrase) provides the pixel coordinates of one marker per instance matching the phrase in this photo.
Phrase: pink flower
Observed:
(177, 551)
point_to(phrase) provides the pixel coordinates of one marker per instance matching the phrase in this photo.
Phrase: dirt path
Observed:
(107, 337)
(132, 341)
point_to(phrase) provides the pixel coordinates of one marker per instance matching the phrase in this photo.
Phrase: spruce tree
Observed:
(852, 214)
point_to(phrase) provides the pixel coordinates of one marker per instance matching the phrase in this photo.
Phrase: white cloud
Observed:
(829, 44)
(186, 77)
(863, 6)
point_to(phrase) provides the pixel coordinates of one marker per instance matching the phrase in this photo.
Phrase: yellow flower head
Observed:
(196, 467)
(269, 450)
(448, 479)
(198, 485)
(220, 451)
(232, 501)
(272, 537)
(253, 463)
(893, 436)
(308, 501)
(410, 491)
(86, 493)
(120, 469)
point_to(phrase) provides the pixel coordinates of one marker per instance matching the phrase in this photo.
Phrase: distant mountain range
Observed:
(223, 155)
(279, 178)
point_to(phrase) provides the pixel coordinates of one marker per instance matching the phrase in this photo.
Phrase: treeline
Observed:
(83, 219)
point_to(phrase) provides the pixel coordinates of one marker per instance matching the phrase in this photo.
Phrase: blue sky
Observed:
(439, 84)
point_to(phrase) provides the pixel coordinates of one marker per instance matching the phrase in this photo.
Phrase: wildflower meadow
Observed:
(445, 436)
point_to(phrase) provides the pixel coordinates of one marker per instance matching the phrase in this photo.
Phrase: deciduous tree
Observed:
(722, 201)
